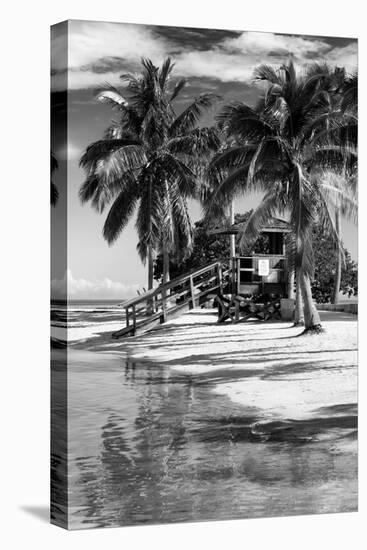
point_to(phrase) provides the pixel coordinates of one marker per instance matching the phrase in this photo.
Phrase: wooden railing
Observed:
(167, 300)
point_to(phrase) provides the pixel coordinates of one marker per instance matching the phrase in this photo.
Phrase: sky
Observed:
(98, 53)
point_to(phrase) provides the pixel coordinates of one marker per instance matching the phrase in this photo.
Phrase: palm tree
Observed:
(278, 147)
(349, 92)
(54, 193)
(339, 188)
(337, 122)
(145, 162)
(348, 209)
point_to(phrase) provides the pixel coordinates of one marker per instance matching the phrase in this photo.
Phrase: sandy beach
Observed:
(268, 366)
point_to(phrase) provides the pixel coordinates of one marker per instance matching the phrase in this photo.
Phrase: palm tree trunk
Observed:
(166, 276)
(290, 289)
(150, 278)
(150, 304)
(150, 268)
(232, 242)
(232, 248)
(312, 317)
(338, 272)
(299, 319)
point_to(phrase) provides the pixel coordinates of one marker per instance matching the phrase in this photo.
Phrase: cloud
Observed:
(344, 57)
(85, 289)
(100, 52)
(235, 59)
(267, 43)
(92, 41)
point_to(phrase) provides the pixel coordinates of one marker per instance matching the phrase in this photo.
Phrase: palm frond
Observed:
(179, 86)
(339, 192)
(332, 157)
(181, 220)
(232, 157)
(268, 73)
(350, 94)
(253, 164)
(290, 72)
(191, 115)
(172, 169)
(105, 181)
(333, 126)
(238, 119)
(327, 220)
(198, 142)
(257, 219)
(277, 113)
(154, 127)
(99, 192)
(102, 149)
(164, 72)
(112, 97)
(120, 212)
(225, 190)
(115, 166)
(88, 189)
(148, 219)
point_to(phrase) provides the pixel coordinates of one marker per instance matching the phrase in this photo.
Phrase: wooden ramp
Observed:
(172, 299)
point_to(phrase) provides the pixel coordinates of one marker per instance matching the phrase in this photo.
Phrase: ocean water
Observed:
(84, 319)
(147, 444)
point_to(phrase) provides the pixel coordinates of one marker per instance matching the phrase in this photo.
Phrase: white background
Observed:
(24, 195)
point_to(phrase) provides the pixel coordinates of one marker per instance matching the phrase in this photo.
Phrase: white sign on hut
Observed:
(263, 268)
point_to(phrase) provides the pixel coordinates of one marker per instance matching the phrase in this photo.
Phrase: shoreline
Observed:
(255, 364)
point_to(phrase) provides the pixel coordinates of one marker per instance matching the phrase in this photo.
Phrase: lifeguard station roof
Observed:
(275, 225)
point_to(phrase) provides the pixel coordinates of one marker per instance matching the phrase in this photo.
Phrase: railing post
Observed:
(150, 306)
(164, 305)
(134, 318)
(220, 277)
(127, 314)
(233, 276)
(192, 290)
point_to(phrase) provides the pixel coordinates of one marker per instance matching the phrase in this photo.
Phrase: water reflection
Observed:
(149, 446)
(58, 465)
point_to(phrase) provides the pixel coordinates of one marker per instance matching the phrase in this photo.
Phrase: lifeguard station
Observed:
(260, 273)
(259, 283)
